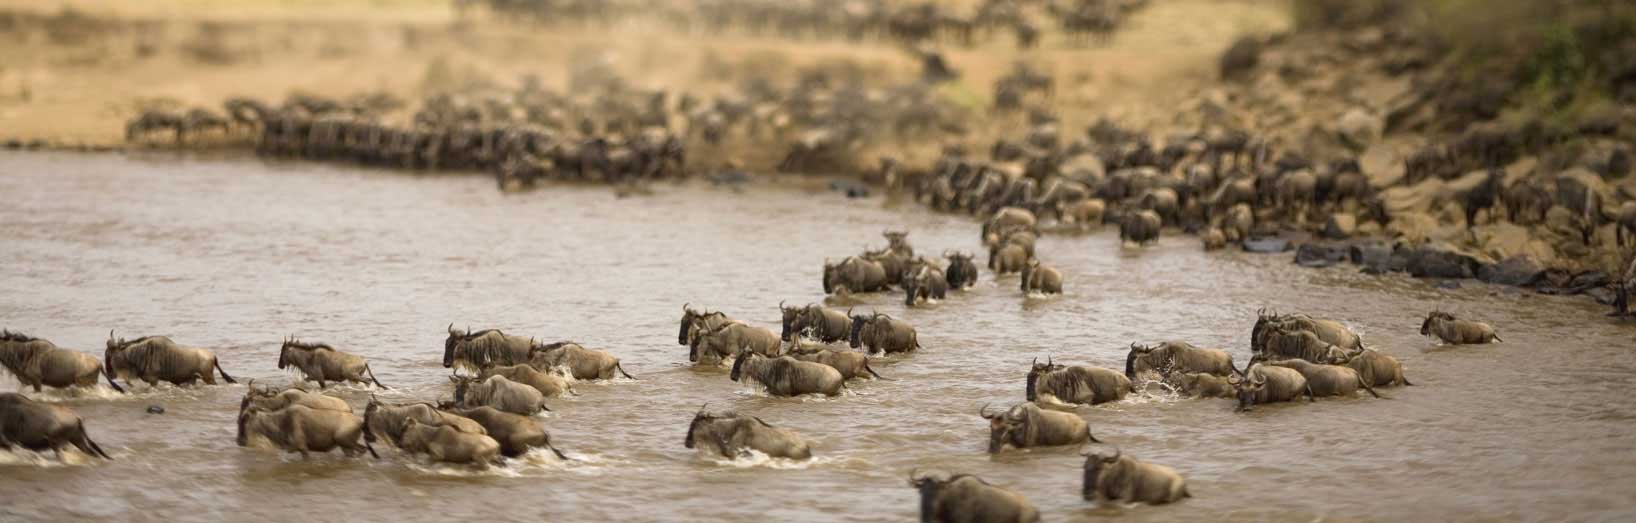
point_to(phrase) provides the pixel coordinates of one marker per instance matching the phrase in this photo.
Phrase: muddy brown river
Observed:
(235, 254)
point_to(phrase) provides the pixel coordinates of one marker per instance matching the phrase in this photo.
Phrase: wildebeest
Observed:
(322, 363)
(1004, 218)
(448, 445)
(898, 242)
(582, 363)
(547, 382)
(1457, 331)
(1041, 278)
(961, 272)
(786, 376)
(1213, 239)
(1176, 356)
(1075, 385)
(1007, 258)
(477, 350)
(730, 338)
(156, 358)
(879, 332)
(1236, 226)
(303, 430)
(732, 435)
(1330, 331)
(1282, 341)
(924, 284)
(1122, 478)
(1200, 384)
(1027, 425)
(854, 274)
(1260, 384)
(824, 325)
(36, 362)
(516, 434)
(266, 399)
(964, 498)
(1327, 380)
(694, 322)
(39, 426)
(382, 420)
(1377, 368)
(498, 392)
(849, 364)
(1141, 227)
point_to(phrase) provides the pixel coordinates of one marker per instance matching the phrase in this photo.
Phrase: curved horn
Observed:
(780, 304)
(1116, 453)
(983, 411)
(110, 334)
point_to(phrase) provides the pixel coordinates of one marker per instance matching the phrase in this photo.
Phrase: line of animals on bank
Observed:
(490, 414)
(601, 130)
(911, 23)
(1229, 186)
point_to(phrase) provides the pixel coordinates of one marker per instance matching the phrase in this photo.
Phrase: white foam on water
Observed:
(28, 458)
(748, 459)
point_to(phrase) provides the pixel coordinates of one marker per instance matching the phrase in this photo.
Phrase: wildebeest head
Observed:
(244, 417)
(897, 241)
(369, 412)
(1432, 319)
(792, 321)
(1036, 370)
(449, 344)
(702, 338)
(688, 317)
(744, 355)
(700, 418)
(858, 323)
(829, 277)
(928, 486)
(1094, 465)
(1005, 427)
(1247, 387)
(462, 384)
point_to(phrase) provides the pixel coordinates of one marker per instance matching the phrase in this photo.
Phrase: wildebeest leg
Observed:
(1310, 397)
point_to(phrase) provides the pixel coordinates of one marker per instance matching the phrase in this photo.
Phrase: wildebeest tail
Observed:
(622, 372)
(87, 446)
(1368, 387)
(218, 363)
(378, 383)
(872, 371)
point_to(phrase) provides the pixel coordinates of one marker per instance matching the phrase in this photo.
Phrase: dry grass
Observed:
(78, 88)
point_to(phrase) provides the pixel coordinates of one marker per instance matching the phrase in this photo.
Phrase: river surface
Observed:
(236, 254)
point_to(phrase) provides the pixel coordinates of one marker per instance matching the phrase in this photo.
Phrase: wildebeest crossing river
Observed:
(235, 255)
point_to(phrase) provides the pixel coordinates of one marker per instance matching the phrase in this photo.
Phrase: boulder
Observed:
(1383, 165)
(1318, 255)
(1519, 271)
(1341, 226)
(1266, 245)
(1359, 128)
(1428, 261)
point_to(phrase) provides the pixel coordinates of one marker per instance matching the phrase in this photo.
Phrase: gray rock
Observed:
(1266, 245)
(1432, 262)
(1315, 255)
(1518, 271)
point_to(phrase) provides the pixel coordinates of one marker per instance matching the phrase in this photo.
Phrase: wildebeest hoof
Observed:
(155, 409)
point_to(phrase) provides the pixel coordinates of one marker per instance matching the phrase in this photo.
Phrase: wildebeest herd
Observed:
(491, 413)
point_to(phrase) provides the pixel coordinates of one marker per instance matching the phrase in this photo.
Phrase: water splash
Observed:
(755, 459)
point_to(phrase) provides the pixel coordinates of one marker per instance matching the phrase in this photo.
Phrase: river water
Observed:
(236, 254)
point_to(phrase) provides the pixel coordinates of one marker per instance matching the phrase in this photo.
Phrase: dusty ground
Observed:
(72, 71)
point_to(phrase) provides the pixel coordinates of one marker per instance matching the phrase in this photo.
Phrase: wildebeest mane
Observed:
(10, 335)
(293, 343)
